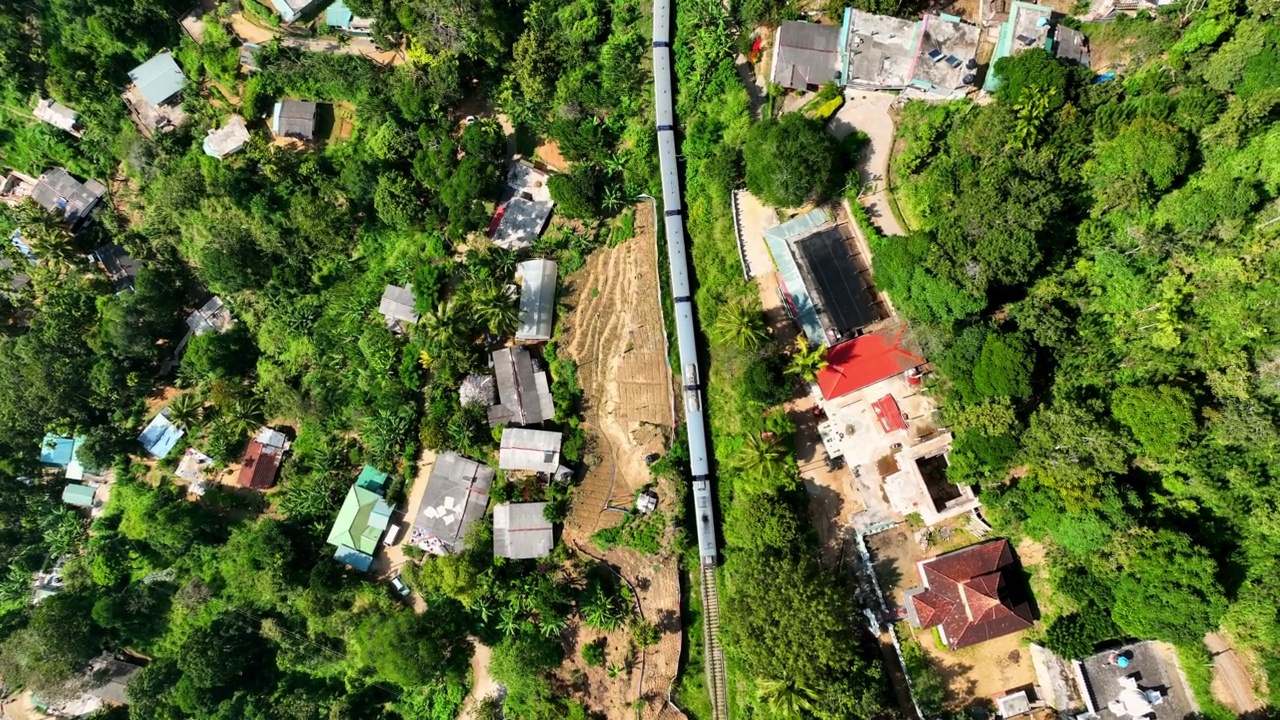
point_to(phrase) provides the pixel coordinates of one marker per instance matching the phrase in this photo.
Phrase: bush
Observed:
(593, 653)
(790, 160)
(1075, 636)
(577, 192)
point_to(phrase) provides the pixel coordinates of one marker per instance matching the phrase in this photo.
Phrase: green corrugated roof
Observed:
(801, 302)
(338, 15)
(78, 495)
(363, 518)
(371, 478)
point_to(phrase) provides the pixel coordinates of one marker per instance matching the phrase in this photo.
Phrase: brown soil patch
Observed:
(982, 671)
(1232, 686)
(548, 153)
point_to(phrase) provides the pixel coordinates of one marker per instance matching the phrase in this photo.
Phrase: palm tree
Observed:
(509, 623)
(244, 416)
(495, 308)
(47, 235)
(612, 199)
(185, 410)
(600, 612)
(741, 325)
(786, 698)
(443, 326)
(805, 362)
(761, 458)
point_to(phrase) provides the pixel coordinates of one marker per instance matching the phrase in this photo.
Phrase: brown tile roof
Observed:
(258, 470)
(972, 596)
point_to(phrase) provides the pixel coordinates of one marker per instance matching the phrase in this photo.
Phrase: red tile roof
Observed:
(258, 469)
(888, 413)
(971, 595)
(863, 361)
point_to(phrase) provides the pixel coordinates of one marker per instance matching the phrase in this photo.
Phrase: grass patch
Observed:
(642, 533)
(1197, 666)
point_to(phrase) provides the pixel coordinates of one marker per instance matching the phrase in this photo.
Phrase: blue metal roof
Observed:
(158, 79)
(57, 450)
(160, 436)
(802, 305)
(338, 15)
(353, 557)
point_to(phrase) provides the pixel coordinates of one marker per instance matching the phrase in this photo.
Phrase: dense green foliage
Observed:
(1093, 267)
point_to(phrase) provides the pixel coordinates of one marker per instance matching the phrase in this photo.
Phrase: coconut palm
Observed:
(185, 410)
(762, 458)
(600, 612)
(741, 325)
(786, 698)
(494, 308)
(806, 362)
(244, 416)
(443, 327)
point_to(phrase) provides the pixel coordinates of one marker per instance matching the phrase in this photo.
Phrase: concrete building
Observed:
(537, 280)
(524, 208)
(521, 531)
(292, 10)
(1036, 26)
(457, 496)
(1142, 680)
(58, 115)
(119, 267)
(524, 395)
(228, 139)
(66, 197)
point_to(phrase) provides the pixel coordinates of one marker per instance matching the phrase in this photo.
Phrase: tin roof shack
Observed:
(1142, 680)
(457, 495)
(66, 197)
(160, 435)
(537, 280)
(212, 316)
(77, 495)
(535, 451)
(971, 595)
(521, 531)
(154, 95)
(292, 10)
(58, 115)
(64, 452)
(262, 459)
(339, 16)
(524, 209)
(806, 55)
(228, 139)
(397, 306)
(822, 287)
(294, 119)
(524, 396)
(119, 267)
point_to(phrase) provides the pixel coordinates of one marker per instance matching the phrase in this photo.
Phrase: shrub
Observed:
(593, 653)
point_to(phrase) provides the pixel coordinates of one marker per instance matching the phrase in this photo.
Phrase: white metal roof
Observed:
(531, 450)
(521, 531)
(537, 299)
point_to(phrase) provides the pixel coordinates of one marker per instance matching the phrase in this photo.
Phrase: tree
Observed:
(644, 633)
(244, 416)
(1034, 72)
(790, 160)
(741, 325)
(577, 193)
(1004, 367)
(1169, 588)
(805, 362)
(494, 308)
(1141, 161)
(593, 653)
(185, 410)
(49, 653)
(600, 611)
(785, 698)
(763, 462)
(1162, 419)
(1076, 636)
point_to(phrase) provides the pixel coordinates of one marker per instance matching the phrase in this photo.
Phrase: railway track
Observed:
(717, 684)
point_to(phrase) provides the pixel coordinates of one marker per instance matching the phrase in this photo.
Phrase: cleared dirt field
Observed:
(614, 330)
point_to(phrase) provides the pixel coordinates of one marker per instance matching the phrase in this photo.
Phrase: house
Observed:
(61, 194)
(294, 119)
(160, 436)
(78, 495)
(339, 16)
(524, 208)
(191, 468)
(262, 459)
(524, 396)
(228, 139)
(398, 307)
(457, 496)
(1036, 26)
(291, 10)
(361, 521)
(821, 285)
(537, 280)
(58, 115)
(1140, 680)
(521, 531)
(529, 450)
(153, 96)
(212, 316)
(103, 685)
(119, 267)
(971, 595)
(806, 55)
(64, 452)
(935, 56)
(864, 361)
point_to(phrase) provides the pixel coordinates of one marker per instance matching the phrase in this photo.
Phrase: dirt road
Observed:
(483, 686)
(869, 112)
(250, 32)
(1232, 685)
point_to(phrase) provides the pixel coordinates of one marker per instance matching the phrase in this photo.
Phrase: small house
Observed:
(524, 395)
(339, 16)
(262, 459)
(1032, 26)
(865, 361)
(457, 496)
(292, 10)
(160, 436)
(212, 316)
(66, 197)
(119, 267)
(294, 119)
(58, 115)
(537, 280)
(805, 55)
(398, 307)
(646, 502)
(191, 468)
(153, 97)
(530, 450)
(77, 495)
(971, 595)
(228, 139)
(521, 531)
(524, 208)
(361, 521)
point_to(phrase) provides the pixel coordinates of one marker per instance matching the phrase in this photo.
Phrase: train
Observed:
(691, 379)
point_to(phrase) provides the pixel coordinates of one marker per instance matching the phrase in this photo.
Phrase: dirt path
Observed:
(614, 331)
(1232, 685)
(483, 686)
(393, 557)
(251, 32)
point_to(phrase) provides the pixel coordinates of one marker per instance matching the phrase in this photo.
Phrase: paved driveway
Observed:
(869, 112)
